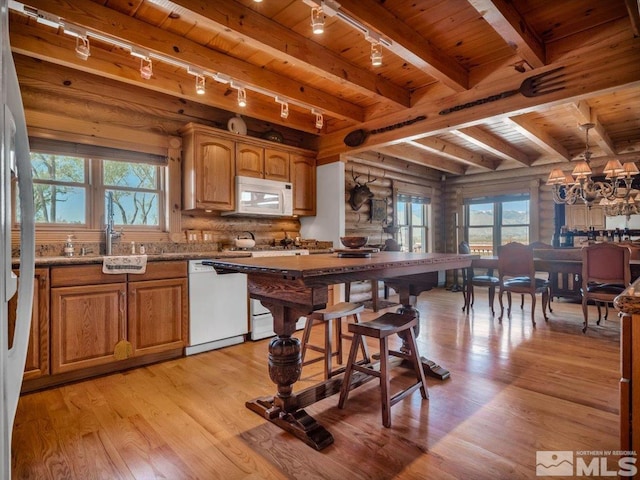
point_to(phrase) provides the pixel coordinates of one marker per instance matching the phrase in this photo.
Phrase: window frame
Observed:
(166, 147)
(420, 199)
(95, 188)
(498, 224)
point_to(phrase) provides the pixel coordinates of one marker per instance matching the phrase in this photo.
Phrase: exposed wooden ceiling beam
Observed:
(511, 26)
(585, 114)
(420, 157)
(408, 44)
(390, 163)
(538, 137)
(290, 47)
(59, 50)
(493, 144)
(621, 54)
(93, 16)
(453, 152)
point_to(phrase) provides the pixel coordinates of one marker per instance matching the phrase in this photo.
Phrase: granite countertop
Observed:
(89, 259)
(629, 301)
(92, 259)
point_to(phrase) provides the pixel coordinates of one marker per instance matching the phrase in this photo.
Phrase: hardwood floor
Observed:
(514, 390)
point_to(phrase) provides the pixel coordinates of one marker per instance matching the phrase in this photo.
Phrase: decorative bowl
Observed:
(354, 242)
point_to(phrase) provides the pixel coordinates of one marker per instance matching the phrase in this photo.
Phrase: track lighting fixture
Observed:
(376, 54)
(200, 80)
(317, 20)
(376, 47)
(284, 107)
(242, 95)
(319, 118)
(146, 68)
(83, 50)
(200, 84)
(322, 8)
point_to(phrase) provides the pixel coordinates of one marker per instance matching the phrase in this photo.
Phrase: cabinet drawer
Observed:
(160, 271)
(75, 275)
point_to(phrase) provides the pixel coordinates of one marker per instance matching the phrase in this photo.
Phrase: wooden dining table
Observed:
(294, 286)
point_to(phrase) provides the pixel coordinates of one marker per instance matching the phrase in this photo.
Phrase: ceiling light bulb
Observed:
(83, 51)
(200, 84)
(376, 54)
(242, 97)
(319, 118)
(317, 20)
(146, 68)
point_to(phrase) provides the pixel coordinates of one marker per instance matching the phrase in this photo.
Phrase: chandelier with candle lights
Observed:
(614, 193)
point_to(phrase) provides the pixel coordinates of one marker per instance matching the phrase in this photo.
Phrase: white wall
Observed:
(328, 224)
(620, 221)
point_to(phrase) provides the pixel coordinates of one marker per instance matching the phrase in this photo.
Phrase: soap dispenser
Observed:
(68, 247)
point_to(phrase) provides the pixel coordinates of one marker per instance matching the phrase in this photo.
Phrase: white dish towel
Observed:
(124, 264)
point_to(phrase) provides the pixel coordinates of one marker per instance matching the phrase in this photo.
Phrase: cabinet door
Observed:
(37, 363)
(581, 217)
(215, 173)
(249, 160)
(276, 165)
(86, 324)
(158, 315)
(303, 177)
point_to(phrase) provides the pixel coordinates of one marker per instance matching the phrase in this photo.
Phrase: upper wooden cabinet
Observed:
(303, 177)
(209, 170)
(580, 217)
(276, 165)
(213, 157)
(249, 160)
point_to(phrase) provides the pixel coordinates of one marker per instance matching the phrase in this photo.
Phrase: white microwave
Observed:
(259, 196)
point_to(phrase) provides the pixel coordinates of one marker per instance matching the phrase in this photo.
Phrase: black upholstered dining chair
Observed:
(470, 280)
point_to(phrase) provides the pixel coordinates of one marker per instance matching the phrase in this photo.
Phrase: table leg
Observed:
(430, 367)
(285, 366)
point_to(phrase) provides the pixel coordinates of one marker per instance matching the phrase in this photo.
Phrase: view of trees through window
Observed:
(494, 222)
(66, 189)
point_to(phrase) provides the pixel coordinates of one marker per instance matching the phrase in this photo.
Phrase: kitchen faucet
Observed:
(110, 232)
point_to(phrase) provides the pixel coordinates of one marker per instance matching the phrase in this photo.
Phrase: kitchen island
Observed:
(291, 287)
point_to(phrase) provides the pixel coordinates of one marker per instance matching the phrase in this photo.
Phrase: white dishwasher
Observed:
(218, 314)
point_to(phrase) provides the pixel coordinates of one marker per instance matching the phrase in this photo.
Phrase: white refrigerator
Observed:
(15, 175)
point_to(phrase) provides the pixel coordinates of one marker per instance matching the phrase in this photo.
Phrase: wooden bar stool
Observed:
(382, 328)
(330, 316)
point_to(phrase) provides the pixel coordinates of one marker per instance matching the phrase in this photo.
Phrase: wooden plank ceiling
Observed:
(440, 58)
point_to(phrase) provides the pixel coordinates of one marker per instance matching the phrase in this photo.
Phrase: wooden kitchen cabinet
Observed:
(259, 162)
(91, 312)
(209, 170)
(249, 160)
(86, 324)
(37, 363)
(276, 165)
(212, 158)
(158, 312)
(303, 177)
(87, 321)
(580, 217)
